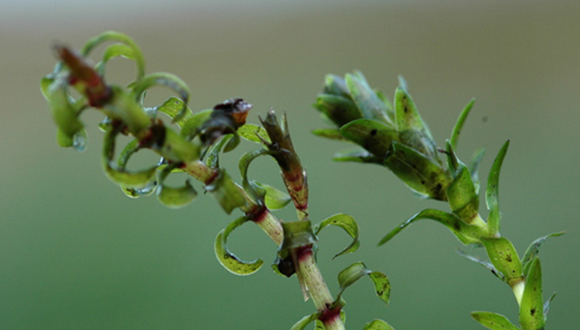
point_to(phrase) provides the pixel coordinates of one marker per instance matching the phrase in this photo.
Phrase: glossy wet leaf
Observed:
(504, 257)
(164, 79)
(467, 234)
(80, 140)
(345, 222)
(492, 191)
(338, 109)
(254, 133)
(275, 199)
(531, 307)
(172, 107)
(232, 143)
(135, 53)
(459, 124)
(372, 135)
(329, 133)
(227, 193)
(229, 260)
(213, 151)
(174, 197)
(377, 324)
(365, 98)
(358, 155)
(493, 321)
(306, 320)
(64, 113)
(534, 248)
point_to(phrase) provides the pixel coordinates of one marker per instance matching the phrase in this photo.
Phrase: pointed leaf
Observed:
(547, 306)
(329, 133)
(382, 285)
(335, 85)
(484, 263)
(339, 109)
(357, 155)
(461, 194)
(493, 321)
(229, 260)
(254, 133)
(372, 135)
(365, 98)
(534, 249)
(300, 325)
(531, 307)
(459, 124)
(504, 257)
(406, 114)
(345, 222)
(492, 191)
(377, 324)
(467, 234)
(474, 167)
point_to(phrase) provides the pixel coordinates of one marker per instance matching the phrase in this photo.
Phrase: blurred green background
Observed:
(75, 253)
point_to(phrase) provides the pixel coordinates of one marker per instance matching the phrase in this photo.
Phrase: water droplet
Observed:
(80, 140)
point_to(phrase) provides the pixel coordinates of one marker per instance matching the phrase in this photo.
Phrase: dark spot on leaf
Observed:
(532, 311)
(226, 256)
(508, 258)
(374, 132)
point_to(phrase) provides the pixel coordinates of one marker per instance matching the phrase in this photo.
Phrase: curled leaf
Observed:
(377, 324)
(164, 79)
(356, 271)
(228, 260)
(306, 320)
(345, 222)
(227, 193)
(254, 133)
(534, 248)
(171, 196)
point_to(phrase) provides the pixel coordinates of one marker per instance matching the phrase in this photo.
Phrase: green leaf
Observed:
(335, 85)
(372, 135)
(275, 199)
(406, 114)
(461, 193)
(213, 152)
(377, 324)
(229, 260)
(120, 176)
(534, 249)
(504, 257)
(531, 307)
(423, 175)
(164, 79)
(172, 107)
(474, 167)
(484, 263)
(119, 50)
(243, 166)
(227, 193)
(232, 143)
(547, 306)
(303, 322)
(493, 321)
(382, 285)
(191, 124)
(171, 196)
(254, 133)
(467, 234)
(339, 109)
(492, 191)
(176, 148)
(329, 133)
(64, 113)
(365, 98)
(358, 155)
(135, 53)
(459, 124)
(351, 274)
(134, 192)
(345, 222)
